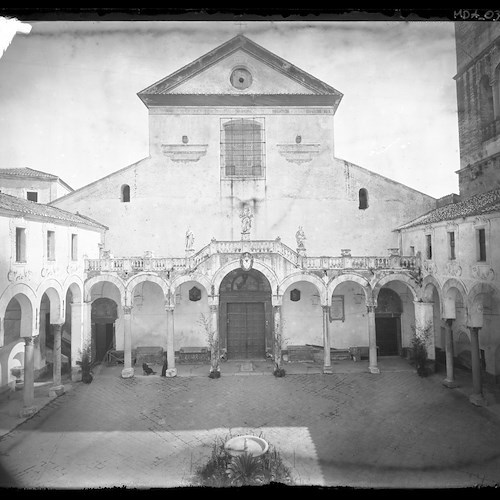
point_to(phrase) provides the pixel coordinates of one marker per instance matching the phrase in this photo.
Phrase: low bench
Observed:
(300, 353)
(148, 354)
(359, 352)
(194, 355)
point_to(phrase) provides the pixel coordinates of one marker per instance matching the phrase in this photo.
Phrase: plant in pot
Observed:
(213, 343)
(86, 364)
(420, 343)
(279, 342)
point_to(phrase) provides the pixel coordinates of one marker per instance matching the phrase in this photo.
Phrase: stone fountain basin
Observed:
(252, 445)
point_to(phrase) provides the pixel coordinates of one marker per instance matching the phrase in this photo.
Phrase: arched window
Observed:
(125, 193)
(486, 111)
(242, 147)
(363, 199)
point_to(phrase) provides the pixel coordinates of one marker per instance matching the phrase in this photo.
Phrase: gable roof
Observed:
(24, 207)
(30, 172)
(479, 204)
(151, 94)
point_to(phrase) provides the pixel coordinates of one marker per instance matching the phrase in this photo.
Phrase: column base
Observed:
(127, 373)
(374, 369)
(327, 370)
(76, 374)
(478, 400)
(28, 411)
(56, 390)
(171, 372)
(450, 384)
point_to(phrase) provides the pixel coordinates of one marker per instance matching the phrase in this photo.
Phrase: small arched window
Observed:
(125, 193)
(363, 199)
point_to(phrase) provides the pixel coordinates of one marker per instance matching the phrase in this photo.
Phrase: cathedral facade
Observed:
(243, 226)
(242, 214)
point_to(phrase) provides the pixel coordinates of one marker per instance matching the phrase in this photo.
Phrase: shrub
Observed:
(222, 469)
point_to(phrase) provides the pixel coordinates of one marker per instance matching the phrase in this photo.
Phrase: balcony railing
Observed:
(164, 264)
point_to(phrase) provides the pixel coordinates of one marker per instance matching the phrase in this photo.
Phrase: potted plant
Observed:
(420, 342)
(86, 364)
(279, 341)
(213, 343)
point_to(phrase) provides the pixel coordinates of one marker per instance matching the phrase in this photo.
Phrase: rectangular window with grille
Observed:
(20, 244)
(51, 245)
(242, 148)
(428, 246)
(451, 247)
(481, 245)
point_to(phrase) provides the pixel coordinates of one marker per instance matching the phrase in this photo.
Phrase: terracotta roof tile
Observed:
(25, 207)
(478, 204)
(26, 172)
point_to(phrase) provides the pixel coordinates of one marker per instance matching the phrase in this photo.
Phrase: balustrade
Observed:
(137, 264)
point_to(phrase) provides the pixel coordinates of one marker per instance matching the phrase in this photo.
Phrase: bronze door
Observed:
(246, 330)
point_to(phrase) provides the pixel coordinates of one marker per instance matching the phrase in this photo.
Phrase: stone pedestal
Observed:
(127, 373)
(171, 372)
(28, 411)
(56, 390)
(478, 400)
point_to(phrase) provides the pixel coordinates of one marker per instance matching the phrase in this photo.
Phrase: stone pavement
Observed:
(350, 428)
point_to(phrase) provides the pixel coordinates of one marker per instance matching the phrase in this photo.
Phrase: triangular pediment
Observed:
(213, 74)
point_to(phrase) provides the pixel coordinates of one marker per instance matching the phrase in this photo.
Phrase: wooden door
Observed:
(246, 330)
(104, 339)
(387, 336)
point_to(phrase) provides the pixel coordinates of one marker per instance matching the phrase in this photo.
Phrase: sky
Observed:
(69, 105)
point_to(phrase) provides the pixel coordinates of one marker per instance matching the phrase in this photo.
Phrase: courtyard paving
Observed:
(351, 428)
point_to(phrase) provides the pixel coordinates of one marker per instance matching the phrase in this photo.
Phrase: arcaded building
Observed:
(460, 240)
(243, 215)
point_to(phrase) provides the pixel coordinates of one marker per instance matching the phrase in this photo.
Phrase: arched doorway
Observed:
(245, 314)
(103, 316)
(388, 322)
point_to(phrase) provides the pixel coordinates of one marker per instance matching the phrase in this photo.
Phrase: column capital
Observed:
(169, 308)
(127, 310)
(326, 308)
(370, 308)
(29, 340)
(214, 308)
(277, 307)
(58, 325)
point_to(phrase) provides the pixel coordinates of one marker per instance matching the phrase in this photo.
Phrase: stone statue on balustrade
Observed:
(246, 221)
(300, 237)
(189, 240)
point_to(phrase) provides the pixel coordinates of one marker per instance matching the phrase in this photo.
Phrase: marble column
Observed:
(449, 381)
(476, 397)
(215, 348)
(128, 369)
(29, 407)
(57, 388)
(372, 340)
(170, 337)
(495, 88)
(277, 335)
(76, 339)
(327, 367)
